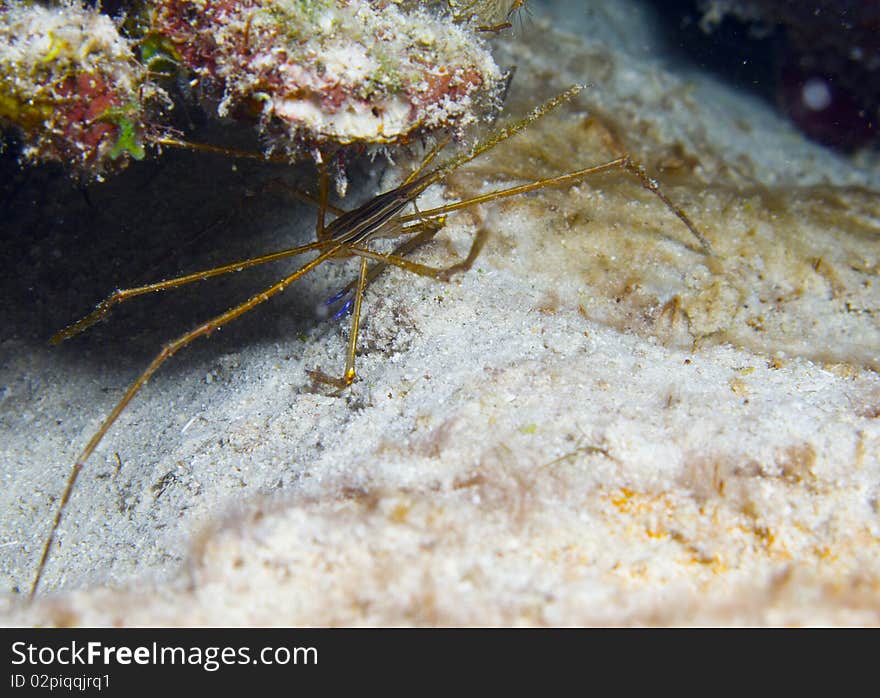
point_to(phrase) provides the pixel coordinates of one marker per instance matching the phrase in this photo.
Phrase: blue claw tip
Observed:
(344, 309)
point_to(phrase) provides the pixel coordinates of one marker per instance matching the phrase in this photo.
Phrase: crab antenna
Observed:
(501, 135)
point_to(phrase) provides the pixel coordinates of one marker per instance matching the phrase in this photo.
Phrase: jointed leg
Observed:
(366, 276)
(653, 186)
(167, 352)
(397, 259)
(621, 163)
(349, 375)
(304, 197)
(427, 160)
(121, 295)
(218, 150)
(439, 273)
(236, 153)
(323, 193)
(422, 233)
(369, 273)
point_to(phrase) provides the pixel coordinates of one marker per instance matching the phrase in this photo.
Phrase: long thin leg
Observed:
(625, 163)
(396, 259)
(303, 196)
(349, 375)
(167, 352)
(421, 235)
(653, 186)
(369, 273)
(235, 153)
(622, 163)
(431, 228)
(366, 276)
(219, 150)
(121, 295)
(440, 273)
(427, 160)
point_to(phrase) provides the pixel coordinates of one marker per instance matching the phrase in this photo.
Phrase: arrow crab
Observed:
(320, 118)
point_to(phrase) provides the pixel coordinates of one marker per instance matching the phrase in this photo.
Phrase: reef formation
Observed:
(827, 65)
(91, 91)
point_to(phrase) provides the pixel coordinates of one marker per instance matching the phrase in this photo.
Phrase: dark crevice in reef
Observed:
(817, 62)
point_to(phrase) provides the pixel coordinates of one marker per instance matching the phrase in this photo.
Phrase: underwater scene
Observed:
(440, 312)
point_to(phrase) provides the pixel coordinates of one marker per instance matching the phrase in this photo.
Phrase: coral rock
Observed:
(341, 71)
(70, 86)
